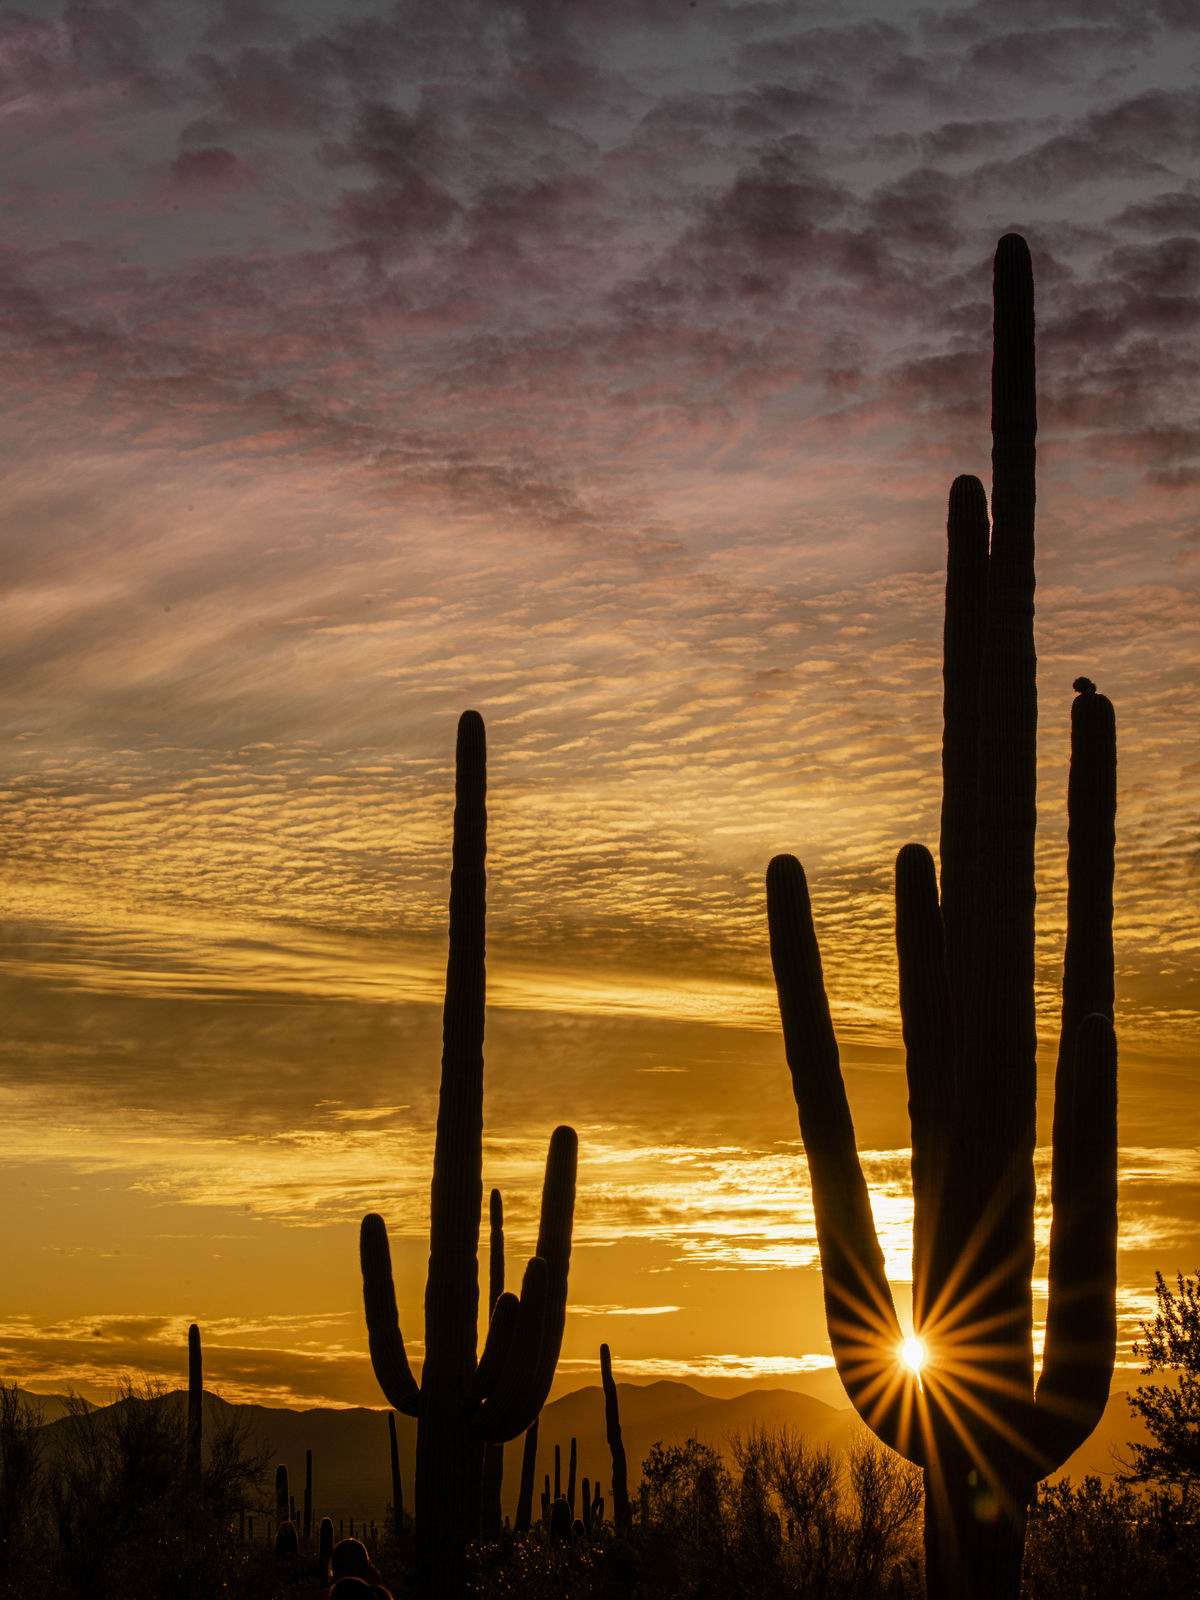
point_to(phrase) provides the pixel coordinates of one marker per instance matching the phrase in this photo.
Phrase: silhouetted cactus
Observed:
(616, 1445)
(397, 1486)
(281, 1494)
(560, 1520)
(557, 1472)
(493, 1453)
(591, 1507)
(195, 1417)
(324, 1545)
(464, 1401)
(528, 1468)
(308, 1503)
(572, 1462)
(967, 1004)
(287, 1544)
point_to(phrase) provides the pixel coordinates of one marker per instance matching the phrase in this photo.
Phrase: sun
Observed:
(914, 1354)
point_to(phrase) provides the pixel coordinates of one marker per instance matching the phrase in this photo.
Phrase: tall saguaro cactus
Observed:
(466, 1400)
(973, 1420)
(195, 1414)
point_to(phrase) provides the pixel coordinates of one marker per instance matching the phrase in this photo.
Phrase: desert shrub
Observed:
(1171, 1411)
(810, 1522)
(121, 1517)
(793, 1521)
(1090, 1541)
(22, 1532)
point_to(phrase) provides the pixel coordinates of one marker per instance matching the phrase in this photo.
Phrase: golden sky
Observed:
(607, 374)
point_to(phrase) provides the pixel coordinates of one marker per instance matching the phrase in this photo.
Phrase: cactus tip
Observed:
(1012, 247)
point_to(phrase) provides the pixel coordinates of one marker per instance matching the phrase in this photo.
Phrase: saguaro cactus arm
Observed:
(532, 1355)
(1081, 1325)
(388, 1355)
(495, 1249)
(864, 1331)
(929, 1051)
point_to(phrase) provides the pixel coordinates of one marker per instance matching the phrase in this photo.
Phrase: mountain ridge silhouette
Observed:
(350, 1444)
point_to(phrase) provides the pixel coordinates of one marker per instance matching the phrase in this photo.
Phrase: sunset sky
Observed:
(603, 367)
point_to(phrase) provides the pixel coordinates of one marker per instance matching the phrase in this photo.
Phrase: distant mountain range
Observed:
(351, 1474)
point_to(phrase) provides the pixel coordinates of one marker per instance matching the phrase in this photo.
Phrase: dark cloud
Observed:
(83, 44)
(971, 22)
(848, 50)
(1174, 212)
(211, 168)
(244, 22)
(84, 48)
(406, 210)
(1170, 268)
(1069, 159)
(1161, 124)
(261, 89)
(1051, 55)
(920, 211)
(963, 139)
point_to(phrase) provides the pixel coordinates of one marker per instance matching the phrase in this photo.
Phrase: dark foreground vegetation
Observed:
(112, 1510)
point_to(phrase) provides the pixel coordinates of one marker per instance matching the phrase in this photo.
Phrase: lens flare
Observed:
(913, 1354)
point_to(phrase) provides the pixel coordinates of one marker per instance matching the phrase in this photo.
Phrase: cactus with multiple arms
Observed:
(973, 1420)
(467, 1400)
